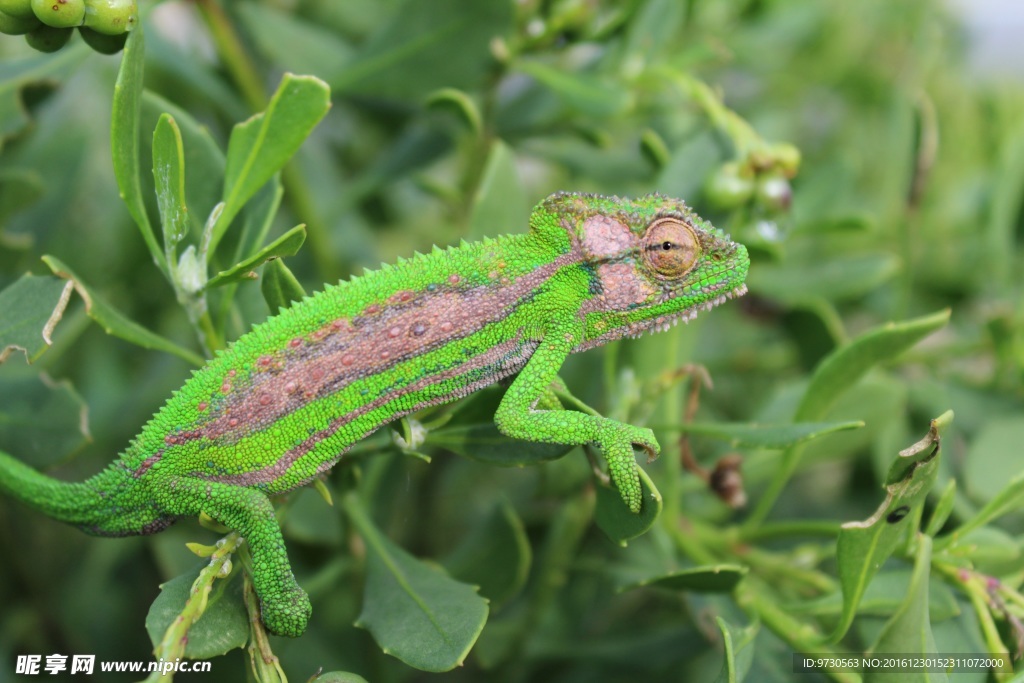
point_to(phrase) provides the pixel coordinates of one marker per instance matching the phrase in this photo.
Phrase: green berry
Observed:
(728, 187)
(112, 17)
(787, 158)
(15, 26)
(101, 42)
(774, 192)
(60, 13)
(22, 9)
(48, 38)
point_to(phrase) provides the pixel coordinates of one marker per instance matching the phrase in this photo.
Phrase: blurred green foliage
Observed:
(449, 119)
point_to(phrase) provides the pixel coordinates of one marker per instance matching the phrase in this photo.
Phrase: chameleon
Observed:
(281, 405)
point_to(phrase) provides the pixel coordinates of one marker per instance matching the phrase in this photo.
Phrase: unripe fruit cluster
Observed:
(47, 24)
(763, 175)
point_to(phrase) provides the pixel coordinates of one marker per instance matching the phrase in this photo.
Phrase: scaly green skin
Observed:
(285, 401)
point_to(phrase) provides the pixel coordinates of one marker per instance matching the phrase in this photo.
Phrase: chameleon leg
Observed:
(518, 417)
(284, 606)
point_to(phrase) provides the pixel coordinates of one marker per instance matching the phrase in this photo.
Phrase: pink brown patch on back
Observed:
(604, 237)
(369, 345)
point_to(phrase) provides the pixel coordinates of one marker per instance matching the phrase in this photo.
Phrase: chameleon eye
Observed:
(670, 247)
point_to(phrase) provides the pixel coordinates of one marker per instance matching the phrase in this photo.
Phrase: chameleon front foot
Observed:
(286, 613)
(622, 463)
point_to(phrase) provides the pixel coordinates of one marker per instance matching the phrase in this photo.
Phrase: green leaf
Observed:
(338, 677)
(991, 551)
(495, 556)
(484, 443)
(585, 93)
(203, 158)
(833, 279)
(835, 374)
(19, 188)
(29, 310)
(15, 74)
(292, 43)
(753, 435)
(846, 365)
(169, 180)
(1009, 499)
(41, 420)
(500, 206)
(262, 144)
(943, 508)
(224, 625)
(994, 458)
(738, 644)
(279, 286)
(414, 610)
(862, 547)
(617, 521)
(461, 103)
(114, 322)
(883, 597)
(717, 578)
(124, 139)
(426, 46)
(909, 631)
(287, 244)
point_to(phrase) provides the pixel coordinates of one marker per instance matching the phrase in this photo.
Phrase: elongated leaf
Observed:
(862, 547)
(909, 632)
(994, 458)
(411, 55)
(500, 206)
(834, 279)
(753, 435)
(124, 139)
(18, 188)
(41, 420)
(261, 145)
(338, 677)
(943, 508)
(1009, 499)
(883, 597)
(114, 322)
(738, 646)
(840, 369)
(585, 93)
(29, 310)
(495, 556)
(293, 43)
(484, 443)
(224, 625)
(719, 578)
(414, 610)
(15, 74)
(279, 286)
(617, 521)
(169, 180)
(202, 156)
(459, 102)
(834, 375)
(287, 244)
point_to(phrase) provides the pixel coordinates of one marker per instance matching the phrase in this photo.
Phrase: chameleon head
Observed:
(651, 262)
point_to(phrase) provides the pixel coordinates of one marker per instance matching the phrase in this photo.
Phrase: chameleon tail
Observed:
(108, 504)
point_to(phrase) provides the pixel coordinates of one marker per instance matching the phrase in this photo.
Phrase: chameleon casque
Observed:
(284, 403)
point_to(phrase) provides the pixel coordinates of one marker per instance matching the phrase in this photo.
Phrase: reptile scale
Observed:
(284, 403)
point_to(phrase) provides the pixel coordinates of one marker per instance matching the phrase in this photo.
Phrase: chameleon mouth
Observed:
(666, 322)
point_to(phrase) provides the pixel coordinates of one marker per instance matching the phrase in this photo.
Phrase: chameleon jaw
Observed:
(666, 322)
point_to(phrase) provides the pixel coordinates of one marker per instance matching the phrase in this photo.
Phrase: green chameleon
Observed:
(282, 405)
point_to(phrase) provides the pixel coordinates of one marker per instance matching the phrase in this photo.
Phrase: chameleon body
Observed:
(286, 400)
